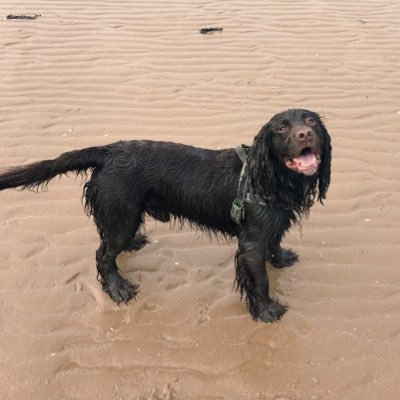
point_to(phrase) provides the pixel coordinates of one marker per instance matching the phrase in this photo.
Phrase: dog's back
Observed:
(168, 179)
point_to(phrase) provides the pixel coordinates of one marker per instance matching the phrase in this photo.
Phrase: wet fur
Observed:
(176, 182)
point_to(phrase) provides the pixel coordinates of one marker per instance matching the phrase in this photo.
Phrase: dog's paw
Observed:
(285, 258)
(120, 289)
(271, 312)
(138, 242)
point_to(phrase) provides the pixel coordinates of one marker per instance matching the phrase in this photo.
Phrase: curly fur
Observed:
(176, 182)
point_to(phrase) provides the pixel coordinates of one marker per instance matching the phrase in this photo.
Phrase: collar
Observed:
(237, 210)
(244, 195)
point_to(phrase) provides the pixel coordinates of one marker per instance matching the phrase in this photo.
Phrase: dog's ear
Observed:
(261, 164)
(325, 167)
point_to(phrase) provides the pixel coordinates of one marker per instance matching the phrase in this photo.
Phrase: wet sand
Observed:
(94, 72)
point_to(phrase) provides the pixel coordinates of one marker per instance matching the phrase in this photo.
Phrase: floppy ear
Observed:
(325, 167)
(261, 164)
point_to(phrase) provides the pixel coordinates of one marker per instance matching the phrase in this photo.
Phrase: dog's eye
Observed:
(283, 129)
(310, 121)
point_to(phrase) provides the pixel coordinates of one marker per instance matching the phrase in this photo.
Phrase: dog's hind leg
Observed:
(156, 209)
(116, 234)
(117, 213)
(117, 287)
(137, 243)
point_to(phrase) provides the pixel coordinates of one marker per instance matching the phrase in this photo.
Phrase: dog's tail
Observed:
(38, 174)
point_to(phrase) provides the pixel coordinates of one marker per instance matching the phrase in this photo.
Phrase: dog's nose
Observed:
(303, 134)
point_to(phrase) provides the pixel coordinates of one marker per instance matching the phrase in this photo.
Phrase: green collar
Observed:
(237, 210)
(244, 195)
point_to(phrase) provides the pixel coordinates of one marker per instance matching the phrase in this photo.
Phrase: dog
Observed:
(254, 193)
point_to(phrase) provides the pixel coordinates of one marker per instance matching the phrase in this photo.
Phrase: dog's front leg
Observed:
(252, 278)
(281, 258)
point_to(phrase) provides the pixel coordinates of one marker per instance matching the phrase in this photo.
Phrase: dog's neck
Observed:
(287, 190)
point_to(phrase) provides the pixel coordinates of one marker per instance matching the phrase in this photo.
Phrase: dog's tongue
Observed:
(306, 160)
(306, 163)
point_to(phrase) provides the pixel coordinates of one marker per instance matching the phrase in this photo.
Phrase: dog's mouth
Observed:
(306, 163)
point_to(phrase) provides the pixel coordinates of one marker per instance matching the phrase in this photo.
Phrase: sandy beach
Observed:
(92, 72)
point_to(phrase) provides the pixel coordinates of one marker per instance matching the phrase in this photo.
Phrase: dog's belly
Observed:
(213, 219)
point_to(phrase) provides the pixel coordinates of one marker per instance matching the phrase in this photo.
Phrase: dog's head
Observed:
(297, 139)
(293, 148)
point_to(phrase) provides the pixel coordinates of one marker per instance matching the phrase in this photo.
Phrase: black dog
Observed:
(285, 169)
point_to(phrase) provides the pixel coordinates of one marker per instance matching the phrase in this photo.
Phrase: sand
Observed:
(93, 72)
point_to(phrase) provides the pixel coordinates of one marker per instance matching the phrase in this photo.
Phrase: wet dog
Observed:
(277, 179)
